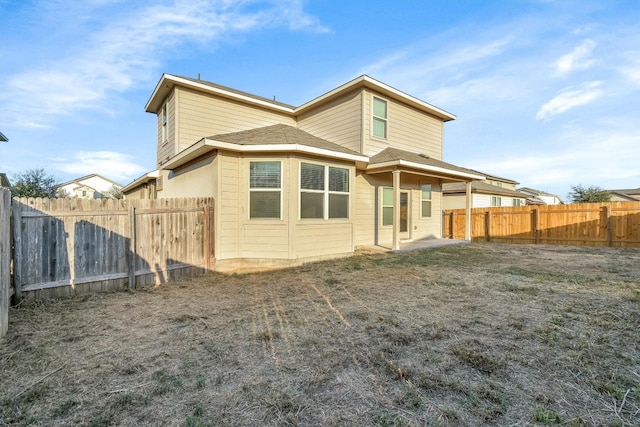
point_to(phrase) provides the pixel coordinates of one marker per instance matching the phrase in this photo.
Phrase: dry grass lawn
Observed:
(462, 335)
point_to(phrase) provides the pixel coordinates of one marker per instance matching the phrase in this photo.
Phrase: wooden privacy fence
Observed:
(5, 258)
(588, 224)
(67, 246)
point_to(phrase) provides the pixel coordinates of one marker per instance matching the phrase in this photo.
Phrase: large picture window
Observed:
(379, 119)
(265, 189)
(426, 201)
(324, 191)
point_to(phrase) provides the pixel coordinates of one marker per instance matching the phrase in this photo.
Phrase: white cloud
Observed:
(578, 59)
(569, 99)
(127, 46)
(117, 166)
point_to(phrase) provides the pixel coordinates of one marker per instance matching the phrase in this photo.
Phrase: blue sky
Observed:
(545, 92)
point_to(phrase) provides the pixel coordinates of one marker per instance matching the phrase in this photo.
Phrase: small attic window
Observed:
(165, 126)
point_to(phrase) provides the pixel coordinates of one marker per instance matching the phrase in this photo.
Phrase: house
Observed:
(92, 186)
(494, 191)
(629, 195)
(537, 197)
(360, 165)
(4, 181)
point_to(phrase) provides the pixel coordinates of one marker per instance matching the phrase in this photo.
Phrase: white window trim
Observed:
(326, 192)
(263, 190)
(422, 216)
(165, 122)
(386, 119)
(498, 199)
(382, 206)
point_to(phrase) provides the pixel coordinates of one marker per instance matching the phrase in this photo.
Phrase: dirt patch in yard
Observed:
(460, 335)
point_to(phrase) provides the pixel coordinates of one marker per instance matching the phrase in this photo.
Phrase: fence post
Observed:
(488, 225)
(132, 246)
(609, 224)
(536, 224)
(17, 252)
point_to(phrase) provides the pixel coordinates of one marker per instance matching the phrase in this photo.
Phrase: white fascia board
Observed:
(369, 82)
(205, 145)
(144, 178)
(218, 91)
(428, 168)
(286, 148)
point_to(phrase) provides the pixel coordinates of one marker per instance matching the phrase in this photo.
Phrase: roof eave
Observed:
(370, 83)
(151, 176)
(168, 82)
(449, 173)
(207, 145)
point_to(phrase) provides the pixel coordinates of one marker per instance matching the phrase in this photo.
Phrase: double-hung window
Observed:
(426, 200)
(379, 119)
(265, 189)
(324, 191)
(387, 206)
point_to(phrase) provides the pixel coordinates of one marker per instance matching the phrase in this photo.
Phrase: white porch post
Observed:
(469, 202)
(396, 210)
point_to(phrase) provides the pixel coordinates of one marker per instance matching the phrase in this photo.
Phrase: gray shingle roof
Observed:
(481, 187)
(280, 134)
(394, 154)
(237, 92)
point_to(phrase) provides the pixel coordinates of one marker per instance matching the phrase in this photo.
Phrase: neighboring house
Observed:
(537, 197)
(92, 186)
(631, 195)
(358, 166)
(4, 181)
(495, 191)
(3, 138)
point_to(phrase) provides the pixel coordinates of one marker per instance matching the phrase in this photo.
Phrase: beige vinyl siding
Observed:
(338, 121)
(228, 210)
(365, 209)
(202, 115)
(407, 129)
(265, 240)
(167, 149)
(197, 179)
(328, 238)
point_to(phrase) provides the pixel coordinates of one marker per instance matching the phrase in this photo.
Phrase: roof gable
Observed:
(168, 82)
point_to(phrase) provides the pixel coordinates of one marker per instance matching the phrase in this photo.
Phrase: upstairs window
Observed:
(324, 192)
(165, 126)
(426, 201)
(265, 189)
(379, 119)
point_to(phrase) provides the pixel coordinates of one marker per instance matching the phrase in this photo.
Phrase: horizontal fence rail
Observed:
(589, 224)
(66, 246)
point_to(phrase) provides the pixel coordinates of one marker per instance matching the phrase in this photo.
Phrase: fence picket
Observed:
(66, 246)
(592, 224)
